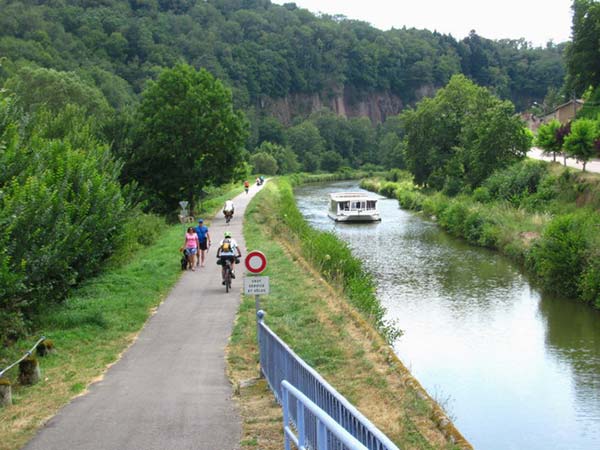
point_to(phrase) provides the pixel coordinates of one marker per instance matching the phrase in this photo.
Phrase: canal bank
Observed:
(309, 310)
(514, 368)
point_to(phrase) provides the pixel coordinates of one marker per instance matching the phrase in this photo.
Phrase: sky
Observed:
(538, 21)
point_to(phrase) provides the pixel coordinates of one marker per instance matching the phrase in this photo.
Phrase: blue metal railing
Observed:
(330, 434)
(279, 362)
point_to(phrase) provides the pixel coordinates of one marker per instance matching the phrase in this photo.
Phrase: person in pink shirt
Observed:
(190, 246)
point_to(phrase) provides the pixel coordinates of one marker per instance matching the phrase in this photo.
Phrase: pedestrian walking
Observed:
(203, 242)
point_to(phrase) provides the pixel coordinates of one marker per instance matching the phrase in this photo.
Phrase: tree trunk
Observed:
(29, 371)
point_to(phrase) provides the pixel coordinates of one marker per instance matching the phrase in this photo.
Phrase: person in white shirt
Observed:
(228, 210)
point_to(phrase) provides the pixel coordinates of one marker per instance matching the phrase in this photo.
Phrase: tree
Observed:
(306, 141)
(461, 136)
(37, 87)
(188, 137)
(331, 161)
(286, 159)
(547, 138)
(264, 163)
(580, 143)
(583, 53)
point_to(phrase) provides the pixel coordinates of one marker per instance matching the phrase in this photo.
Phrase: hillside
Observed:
(281, 60)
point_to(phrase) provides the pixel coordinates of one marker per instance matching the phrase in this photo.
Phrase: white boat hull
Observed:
(355, 217)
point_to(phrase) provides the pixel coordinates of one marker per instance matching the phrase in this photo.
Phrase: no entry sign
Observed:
(255, 261)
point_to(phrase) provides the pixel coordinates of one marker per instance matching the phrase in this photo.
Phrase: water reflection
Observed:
(520, 371)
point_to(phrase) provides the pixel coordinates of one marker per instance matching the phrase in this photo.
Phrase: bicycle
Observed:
(227, 274)
(228, 216)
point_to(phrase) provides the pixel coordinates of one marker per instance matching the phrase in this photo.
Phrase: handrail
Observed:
(325, 424)
(278, 362)
(28, 353)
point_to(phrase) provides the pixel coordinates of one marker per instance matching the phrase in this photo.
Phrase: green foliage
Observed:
(49, 88)
(516, 182)
(264, 162)
(188, 137)
(580, 143)
(547, 137)
(459, 137)
(559, 257)
(583, 53)
(263, 50)
(285, 158)
(61, 210)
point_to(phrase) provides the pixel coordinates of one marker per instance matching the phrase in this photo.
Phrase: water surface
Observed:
(514, 369)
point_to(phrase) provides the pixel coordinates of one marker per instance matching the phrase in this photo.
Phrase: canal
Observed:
(513, 368)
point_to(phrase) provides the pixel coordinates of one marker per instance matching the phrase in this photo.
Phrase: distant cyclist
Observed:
(228, 250)
(246, 186)
(228, 210)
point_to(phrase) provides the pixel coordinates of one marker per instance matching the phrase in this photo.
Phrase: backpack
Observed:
(226, 246)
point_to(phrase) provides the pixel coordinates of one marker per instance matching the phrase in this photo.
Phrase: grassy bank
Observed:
(542, 215)
(325, 309)
(93, 327)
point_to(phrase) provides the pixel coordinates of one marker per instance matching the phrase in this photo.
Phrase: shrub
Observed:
(517, 181)
(559, 256)
(61, 210)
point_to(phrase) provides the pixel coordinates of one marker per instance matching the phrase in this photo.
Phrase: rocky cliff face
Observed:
(347, 102)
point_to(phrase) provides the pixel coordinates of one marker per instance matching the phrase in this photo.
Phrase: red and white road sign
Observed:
(255, 261)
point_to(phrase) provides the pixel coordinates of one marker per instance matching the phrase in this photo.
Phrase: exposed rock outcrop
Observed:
(347, 102)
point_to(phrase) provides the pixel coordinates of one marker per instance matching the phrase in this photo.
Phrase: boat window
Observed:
(371, 204)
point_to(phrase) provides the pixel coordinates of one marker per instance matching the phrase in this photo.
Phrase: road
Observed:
(592, 165)
(169, 390)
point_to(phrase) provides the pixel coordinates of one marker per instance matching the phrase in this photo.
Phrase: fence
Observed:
(27, 353)
(329, 433)
(279, 362)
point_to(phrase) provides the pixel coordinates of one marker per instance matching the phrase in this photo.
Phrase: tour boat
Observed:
(353, 207)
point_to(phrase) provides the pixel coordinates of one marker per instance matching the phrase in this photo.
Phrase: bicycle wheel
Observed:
(227, 278)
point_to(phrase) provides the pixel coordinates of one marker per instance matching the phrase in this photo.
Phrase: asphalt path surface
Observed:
(169, 390)
(593, 165)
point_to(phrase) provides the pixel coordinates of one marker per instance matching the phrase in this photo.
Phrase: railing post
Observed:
(5, 392)
(260, 314)
(285, 401)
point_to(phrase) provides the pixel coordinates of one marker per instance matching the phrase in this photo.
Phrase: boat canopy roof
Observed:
(349, 196)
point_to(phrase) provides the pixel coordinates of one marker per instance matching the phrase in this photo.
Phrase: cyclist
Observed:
(228, 250)
(228, 209)
(246, 186)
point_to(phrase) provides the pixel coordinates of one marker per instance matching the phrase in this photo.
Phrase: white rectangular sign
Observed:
(256, 285)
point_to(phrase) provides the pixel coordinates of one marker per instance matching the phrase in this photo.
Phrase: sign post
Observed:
(256, 262)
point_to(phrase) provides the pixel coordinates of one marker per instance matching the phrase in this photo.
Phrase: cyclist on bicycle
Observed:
(228, 250)
(228, 209)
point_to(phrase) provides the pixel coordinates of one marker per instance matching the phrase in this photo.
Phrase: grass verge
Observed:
(322, 325)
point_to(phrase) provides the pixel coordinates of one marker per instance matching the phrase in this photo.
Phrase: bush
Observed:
(61, 210)
(517, 181)
(559, 256)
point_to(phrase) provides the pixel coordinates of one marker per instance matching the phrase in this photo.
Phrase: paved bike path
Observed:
(169, 390)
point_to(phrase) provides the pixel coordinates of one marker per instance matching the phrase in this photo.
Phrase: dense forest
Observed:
(261, 50)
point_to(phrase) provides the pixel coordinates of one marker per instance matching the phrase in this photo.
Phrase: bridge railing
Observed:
(279, 362)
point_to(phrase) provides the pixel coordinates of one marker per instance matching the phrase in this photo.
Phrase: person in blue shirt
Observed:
(204, 241)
